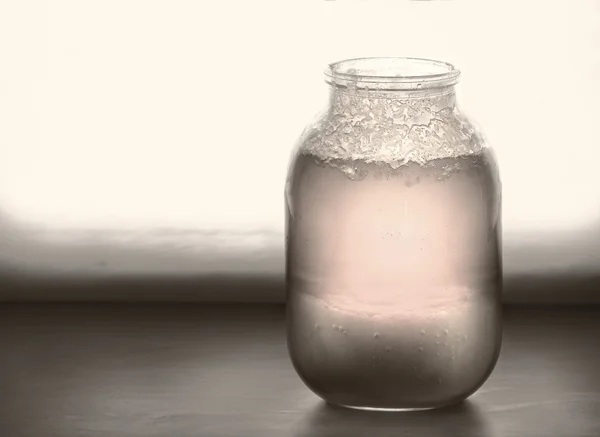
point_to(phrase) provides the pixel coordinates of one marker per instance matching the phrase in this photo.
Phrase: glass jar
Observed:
(393, 247)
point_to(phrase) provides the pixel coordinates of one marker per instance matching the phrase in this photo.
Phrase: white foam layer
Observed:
(383, 128)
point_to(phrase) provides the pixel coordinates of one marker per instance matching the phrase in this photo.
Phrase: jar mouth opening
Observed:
(392, 73)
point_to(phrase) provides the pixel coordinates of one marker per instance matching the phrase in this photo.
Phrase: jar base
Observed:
(388, 410)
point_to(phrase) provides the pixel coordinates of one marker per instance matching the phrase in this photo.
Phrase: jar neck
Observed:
(344, 100)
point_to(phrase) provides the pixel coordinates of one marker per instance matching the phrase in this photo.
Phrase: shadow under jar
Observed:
(393, 252)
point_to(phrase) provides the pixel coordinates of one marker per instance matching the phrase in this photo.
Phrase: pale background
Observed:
(150, 139)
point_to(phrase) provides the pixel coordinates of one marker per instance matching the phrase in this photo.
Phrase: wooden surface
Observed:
(128, 371)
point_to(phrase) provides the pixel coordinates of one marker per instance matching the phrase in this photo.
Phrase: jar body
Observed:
(393, 255)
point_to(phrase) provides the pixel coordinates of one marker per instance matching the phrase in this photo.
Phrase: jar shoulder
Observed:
(394, 136)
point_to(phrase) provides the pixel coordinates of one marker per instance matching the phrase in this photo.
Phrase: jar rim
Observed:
(392, 73)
